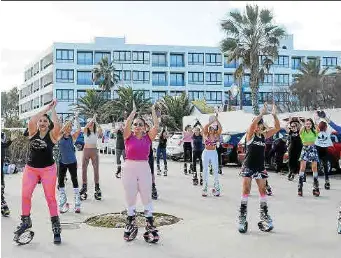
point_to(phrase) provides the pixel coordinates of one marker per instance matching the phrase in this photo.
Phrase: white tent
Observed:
(238, 121)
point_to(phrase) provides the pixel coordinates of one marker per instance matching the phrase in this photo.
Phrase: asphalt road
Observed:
(304, 227)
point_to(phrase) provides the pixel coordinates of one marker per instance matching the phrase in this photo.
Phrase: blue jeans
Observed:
(160, 151)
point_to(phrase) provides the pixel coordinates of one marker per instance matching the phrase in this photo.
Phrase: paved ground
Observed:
(304, 227)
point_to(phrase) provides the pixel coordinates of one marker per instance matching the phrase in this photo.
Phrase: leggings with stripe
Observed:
(48, 178)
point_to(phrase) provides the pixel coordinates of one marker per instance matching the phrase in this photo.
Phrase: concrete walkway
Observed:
(304, 227)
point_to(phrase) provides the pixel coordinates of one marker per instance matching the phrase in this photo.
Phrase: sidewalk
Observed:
(304, 227)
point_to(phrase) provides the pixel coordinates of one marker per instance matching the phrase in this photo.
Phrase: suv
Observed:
(333, 151)
(174, 150)
(229, 147)
(241, 147)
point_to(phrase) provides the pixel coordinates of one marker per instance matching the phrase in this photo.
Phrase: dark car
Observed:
(229, 147)
(79, 143)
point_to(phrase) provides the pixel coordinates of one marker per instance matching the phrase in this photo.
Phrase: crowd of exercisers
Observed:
(308, 143)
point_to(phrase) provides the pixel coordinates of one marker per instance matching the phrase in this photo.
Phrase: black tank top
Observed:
(295, 142)
(255, 154)
(41, 151)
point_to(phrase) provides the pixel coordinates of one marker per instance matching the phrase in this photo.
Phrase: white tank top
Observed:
(92, 139)
(323, 140)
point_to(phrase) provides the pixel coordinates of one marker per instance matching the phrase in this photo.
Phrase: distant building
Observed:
(64, 72)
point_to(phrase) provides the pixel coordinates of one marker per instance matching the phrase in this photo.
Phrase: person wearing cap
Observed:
(92, 132)
(254, 168)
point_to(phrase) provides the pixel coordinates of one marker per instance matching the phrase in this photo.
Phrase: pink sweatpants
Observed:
(48, 177)
(136, 177)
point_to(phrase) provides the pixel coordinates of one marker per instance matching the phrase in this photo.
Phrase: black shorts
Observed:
(254, 173)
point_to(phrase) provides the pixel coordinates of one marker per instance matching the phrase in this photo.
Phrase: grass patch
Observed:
(118, 220)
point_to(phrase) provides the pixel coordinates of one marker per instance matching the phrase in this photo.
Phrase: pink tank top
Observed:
(137, 149)
(187, 137)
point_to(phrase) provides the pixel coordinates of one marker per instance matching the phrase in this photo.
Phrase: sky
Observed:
(29, 28)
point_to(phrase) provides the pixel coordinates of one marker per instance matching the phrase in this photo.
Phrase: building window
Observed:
(213, 78)
(159, 79)
(296, 63)
(213, 59)
(282, 79)
(46, 80)
(267, 80)
(105, 94)
(247, 99)
(84, 78)
(115, 96)
(123, 75)
(81, 94)
(64, 56)
(281, 61)
(64, 76)
(246, 80)
(176, 93)
(157, 95)
(101, 55)
(228, 79)
(194, 95)
(312, 59)
(329, 61)
(141, 57)
(141, 77)
(122, 56)
(84, 58)
(64, 95)
(146, 93)
(159, 59)
(177, 60)
(177, 79)
(195, 78)
(232, 64)
(213, 97)
(35, 87)
(196, 58)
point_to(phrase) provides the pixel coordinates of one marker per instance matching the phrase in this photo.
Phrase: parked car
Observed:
(241, 147)
(334, 153)
(79, 143)
(175, 151)
(229, 147)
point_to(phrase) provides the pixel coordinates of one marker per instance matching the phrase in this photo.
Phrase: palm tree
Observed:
(173, 109)
(105, 75)
(92, 103)
(312, 85)
(248, 36)
(119, 108)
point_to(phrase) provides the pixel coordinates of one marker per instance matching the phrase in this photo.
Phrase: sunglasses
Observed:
(138, 124)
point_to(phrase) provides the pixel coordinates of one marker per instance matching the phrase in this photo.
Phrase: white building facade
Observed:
(64, 72)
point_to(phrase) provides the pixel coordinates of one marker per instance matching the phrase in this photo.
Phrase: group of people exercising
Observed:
(136, 137)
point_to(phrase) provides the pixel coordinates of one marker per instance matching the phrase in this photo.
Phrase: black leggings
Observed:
(62, 173)
(151, 161)
(187, 152)
(197, 155)
(294, 163)
(324, 158)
